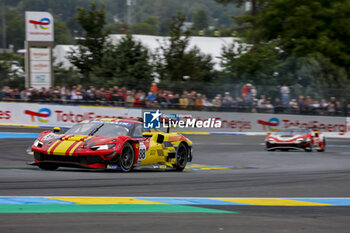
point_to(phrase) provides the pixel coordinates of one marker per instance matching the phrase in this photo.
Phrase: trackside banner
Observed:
(258, 122)
(59, 115)
(68, 115)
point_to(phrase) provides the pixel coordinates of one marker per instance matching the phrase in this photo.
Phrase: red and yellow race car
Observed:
(111, 144)
(295, 138)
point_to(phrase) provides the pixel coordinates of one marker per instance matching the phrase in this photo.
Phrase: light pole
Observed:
(4, 42)
(130, 11)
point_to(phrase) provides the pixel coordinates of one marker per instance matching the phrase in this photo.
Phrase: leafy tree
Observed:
(117, 28)
(12, 57)
(304, 42)
(268, 66)
(305, 27)
(252, 64)
(200, 20)
(152, 19)
(62, 33)
(66, 77)
(176, 62)
(164, 27)
(144, 29)
(9, 75)
(225, 20)
(14, 29)
(74, 27)
(125, 64)
(64, 10)
(92, 46)
(148, 26)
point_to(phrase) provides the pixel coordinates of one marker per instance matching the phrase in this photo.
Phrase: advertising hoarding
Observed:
(68, 115)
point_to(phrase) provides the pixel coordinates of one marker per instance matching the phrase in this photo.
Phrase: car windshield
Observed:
(291, 132)
(104, 129)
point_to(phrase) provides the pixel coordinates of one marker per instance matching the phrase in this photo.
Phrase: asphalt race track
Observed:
(223, 167)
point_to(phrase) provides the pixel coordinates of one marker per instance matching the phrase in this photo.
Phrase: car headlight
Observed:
(103, 147)
(270, 140)
(38, 143)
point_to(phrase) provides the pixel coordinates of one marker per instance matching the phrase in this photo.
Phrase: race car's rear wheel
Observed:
(181, 157)
(48, 166)
(127, 157)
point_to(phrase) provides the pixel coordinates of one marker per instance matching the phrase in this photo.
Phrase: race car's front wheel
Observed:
(127, 157)
(308, 148)
(181, 157)
(48, 166)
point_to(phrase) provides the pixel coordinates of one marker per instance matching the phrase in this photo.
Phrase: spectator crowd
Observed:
(247, 101)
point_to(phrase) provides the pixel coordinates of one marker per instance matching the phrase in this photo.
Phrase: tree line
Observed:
(151, 17)
(129, 63)
(303, 44)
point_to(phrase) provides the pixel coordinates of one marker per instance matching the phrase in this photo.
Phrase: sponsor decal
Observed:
(142, 151)
(42, 24)
(274, 123)
(112, 122)
(50, 136)
(41, 115)
(5, 115)
(82, 116)
(110, 166)
(271, 124)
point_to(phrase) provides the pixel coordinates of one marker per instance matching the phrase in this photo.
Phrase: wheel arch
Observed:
(185, 143)
(189, 152)
(135, 148)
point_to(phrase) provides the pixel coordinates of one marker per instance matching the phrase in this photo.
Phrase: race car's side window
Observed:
(139, 130)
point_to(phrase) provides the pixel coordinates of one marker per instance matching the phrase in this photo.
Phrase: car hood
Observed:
(286, 138)
(69, 144)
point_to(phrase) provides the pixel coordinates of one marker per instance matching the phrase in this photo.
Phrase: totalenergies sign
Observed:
(42, 115)
(39, 26)
(272, 124)
(336, 124)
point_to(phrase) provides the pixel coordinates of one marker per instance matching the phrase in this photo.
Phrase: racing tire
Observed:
(49, 167)
(126, 158)
(181, 157)
(308, 148)
(323, 147)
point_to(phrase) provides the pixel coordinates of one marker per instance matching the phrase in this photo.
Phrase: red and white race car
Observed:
(295, 138)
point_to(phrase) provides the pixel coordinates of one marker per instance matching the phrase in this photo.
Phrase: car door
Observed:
(144, 157)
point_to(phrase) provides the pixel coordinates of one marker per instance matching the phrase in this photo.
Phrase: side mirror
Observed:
(147, 134)
(56, 129)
